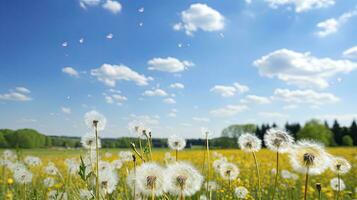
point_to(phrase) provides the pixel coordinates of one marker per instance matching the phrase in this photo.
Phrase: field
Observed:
(289, 186)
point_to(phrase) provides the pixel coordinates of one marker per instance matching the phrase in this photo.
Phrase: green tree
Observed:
(235, 130)
(316, 130)
(353, 131)
(337, 131)
(347, 140)
(3, 142)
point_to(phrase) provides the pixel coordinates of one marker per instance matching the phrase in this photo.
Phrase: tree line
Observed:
(334, 135)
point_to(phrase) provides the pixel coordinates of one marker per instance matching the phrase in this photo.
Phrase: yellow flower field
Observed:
(288, 188)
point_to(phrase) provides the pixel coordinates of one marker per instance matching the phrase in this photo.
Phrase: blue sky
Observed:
(176, 65)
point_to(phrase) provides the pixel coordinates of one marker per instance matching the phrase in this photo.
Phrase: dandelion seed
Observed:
(218, 163)
(150, 179)
(94, 119)
(176, 143)
(183, 179)
(51, 169)
(340, 165)
(229, 171)
(23, 176)
(88, 141)
(278, 140)
(249, 142)
(241, 192)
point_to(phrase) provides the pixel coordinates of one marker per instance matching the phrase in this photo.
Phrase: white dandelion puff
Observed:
(49, 182)
(278, 140)
(182, 178)
(85, 194)
(126, 156)
(249, 142)
(32, 161)
(218, 163)
(23, 176)
(117, 164)
(340, 165)
(51, 169)
(150, 179)
(176, 143)
(95, 119)
(88, 141)
(241, 192)
(335, 182)
(229, 171)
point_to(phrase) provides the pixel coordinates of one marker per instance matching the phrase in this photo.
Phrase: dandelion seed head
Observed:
(126, 156)
(278, 140)
(218, 163)
(149, 176)
(334, 184)
(117, 164)
(51, 169)
(49, 182)
(176, 143)
(95, 119)
(32, 161)
(85, 194)
(340, 165)
(23, 176)
(249, 142)
(229, 171)
(88, 141)
(241, 192)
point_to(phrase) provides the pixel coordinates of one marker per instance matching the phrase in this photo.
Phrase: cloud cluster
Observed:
(351, 53)
(301, 69)
(115, 97)
(301, 5)
(169, 64)
(110, 5)
(20, 94)
(70, 71)
(110, 74)
(155, 92)
(229, 90)
(200, 16)
(66, 110)
(304, 96)
(228, 111)
(177, 86)
(332, 25)
(256, 99)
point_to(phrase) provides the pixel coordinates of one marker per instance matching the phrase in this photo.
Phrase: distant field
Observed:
(288, 188)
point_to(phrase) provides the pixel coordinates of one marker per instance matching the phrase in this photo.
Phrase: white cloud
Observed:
(351, 53)
(146, 119)
(301, 69)
(70, 71)
(200, 16)
(110, 36)
(290, 107)
(201, 119)
(115, 98)
(228, 111)
(21, 94)
(85, 3)
(273, 115)
(332, 25)
(177, 86)
(248, 1)
(169, 64)
(304, 96)
(229, 91)
(155, 92)
(23, 90)
(112, 6)
(169, 101)
(256, 99)
(64, 44)
(66, 110)
(301, 5)
(109, 74)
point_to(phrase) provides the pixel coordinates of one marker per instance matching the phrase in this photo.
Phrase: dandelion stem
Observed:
(306, 182)
(4, 178)
(258, 174)
(97, 164)
(176, 155)
(153, 193)
(149, 142)
(339, 185)
(208, 160)
(276, 174)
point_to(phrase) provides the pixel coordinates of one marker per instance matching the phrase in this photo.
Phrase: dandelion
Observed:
(337, 184)
(183, 179)
(203, 197)
(310, 158)
(117, 164)
(9, 155)
(206, 135)
(318, 188)
(72, 166)
(96, 121)
(280, 142)
(32, 161)
(49, 182)
(241, 192)
(229, 171)
(251, 144)
(108, 180)
(340, 165)
(126, 156)
(51, 169)
(88, 141)
(218, 163)
(85, 194)
(57, 195)
(23, 176)
(150, 179)
(176, 143)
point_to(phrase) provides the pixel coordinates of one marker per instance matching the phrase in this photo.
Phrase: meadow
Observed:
(291, 184)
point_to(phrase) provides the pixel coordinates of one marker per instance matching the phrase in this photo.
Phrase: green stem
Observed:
(97, 165)
(258, 174)
(208, 160)
(339, 186)
(276, 174)
(176, 155)
(306, 182)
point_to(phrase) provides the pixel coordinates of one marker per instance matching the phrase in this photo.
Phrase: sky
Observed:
(177, 65)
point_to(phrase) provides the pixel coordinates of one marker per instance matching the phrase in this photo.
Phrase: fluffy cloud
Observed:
(200, 16)
(112, 6)
(85, 3)
(146, 119)
(70, 71)
(115, 98)
(228, 111)
(301, 5)
(332, 25)
(155, 92)
(304, 96)
(256, 99)
(169, 64)
(109, 74)
(66, 110)
(20, 94)
(169, 101)
(351, 53)
(177, 86)
(301, 69)
(201, 119)
(229, 91)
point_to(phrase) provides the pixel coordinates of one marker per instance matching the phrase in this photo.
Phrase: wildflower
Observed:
(340, 165)
(218, 163)
(51, 169)
(150, 179)
(229, 171)
(249, 142)
(10, 181)
(32, 161)
(176, 143)
(49, 182)
(94, 119)
(57, 195)
(335, 182)
(117, 164)
(9, 155)
(241, 192)
(126, 156)
(212, 185)
(72, 166)
(183, 179)
(108, 180)
(85, 194)
(278, 140)
(23, 176)
(309, 157)
(136, 128)
(88, 141)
